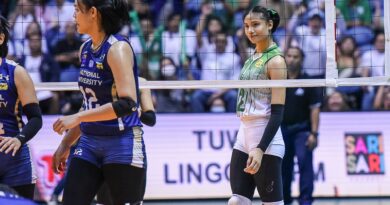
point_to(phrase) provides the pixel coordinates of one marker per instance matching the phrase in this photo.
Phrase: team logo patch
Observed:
(259, 63)
(78, 151)
(99, 65)
(3, 86)
(90, 63)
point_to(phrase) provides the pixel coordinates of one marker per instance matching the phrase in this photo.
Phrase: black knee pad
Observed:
(269, 179)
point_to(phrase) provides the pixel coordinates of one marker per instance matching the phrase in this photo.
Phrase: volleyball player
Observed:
(258, 152)
(17, 96)
(111, 146)
(148, 117)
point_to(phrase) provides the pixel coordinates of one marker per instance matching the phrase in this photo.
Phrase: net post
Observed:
(330, 24)
(386, 22)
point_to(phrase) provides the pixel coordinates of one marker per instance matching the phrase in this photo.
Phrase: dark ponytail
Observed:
(275, 18)
(267, 14)
(4, 29)
(114, 13)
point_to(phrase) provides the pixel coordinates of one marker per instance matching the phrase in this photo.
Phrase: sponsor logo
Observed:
(364, 153)
(78, 152)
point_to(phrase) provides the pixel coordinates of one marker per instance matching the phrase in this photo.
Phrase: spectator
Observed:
(146, 42)
(347, 56)
(26, 13)
(311, 39)
(336, 102)
(241, 8)
(372, 64)
(21, 17)
(57, 16)
(382, 98)
(22, 47)
(178, 42)
(373, 60)
(41, 68)
(355, 12)
(67, 54)
(347, 60)
(169, 100)
(206, 36)
(218, 65)
(378, 19)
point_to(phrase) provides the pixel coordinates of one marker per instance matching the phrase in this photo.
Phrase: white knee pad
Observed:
(239, 200)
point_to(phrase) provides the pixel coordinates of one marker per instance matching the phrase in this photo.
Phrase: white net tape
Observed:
(201, 84)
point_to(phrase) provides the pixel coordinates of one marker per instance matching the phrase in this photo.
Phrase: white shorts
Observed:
(250, 134)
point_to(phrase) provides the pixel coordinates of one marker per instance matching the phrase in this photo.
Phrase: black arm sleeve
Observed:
(272, 127)
(148, 118)
(124, 106)
(34, 124)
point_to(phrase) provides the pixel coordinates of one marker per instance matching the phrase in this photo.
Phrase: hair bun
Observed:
(274, 16)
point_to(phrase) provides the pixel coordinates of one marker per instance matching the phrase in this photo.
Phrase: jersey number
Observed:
(89, 98)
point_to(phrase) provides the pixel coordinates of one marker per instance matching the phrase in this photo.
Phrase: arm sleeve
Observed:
(148, 118)
(34, 124)
(272, 126)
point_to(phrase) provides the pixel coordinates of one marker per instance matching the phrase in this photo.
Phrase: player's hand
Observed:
(66, 122)
(254, 161)
(8, 144)
(311, 142)
(59, 158)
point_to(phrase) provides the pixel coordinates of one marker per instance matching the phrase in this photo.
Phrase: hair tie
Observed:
(271, 12)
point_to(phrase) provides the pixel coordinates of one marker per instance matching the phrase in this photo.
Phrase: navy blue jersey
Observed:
(14, 170)
(10, 106)
(96, 82)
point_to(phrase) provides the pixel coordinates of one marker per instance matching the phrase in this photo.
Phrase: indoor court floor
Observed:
(371, 201)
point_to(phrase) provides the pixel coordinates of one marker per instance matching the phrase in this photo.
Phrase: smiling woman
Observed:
(258, 152)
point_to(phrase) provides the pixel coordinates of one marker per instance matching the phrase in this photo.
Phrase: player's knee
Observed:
(239, 200)
(274, 203)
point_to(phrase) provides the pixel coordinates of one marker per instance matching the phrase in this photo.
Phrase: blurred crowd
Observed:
(203, 40)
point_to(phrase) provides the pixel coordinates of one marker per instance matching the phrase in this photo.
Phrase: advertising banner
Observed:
(188, 155)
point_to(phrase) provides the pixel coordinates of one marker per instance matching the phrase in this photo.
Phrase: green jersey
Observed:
(256, 101)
